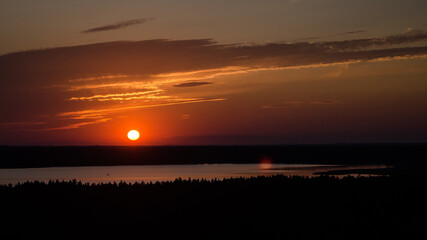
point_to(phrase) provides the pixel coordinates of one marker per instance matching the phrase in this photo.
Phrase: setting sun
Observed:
(133, 135)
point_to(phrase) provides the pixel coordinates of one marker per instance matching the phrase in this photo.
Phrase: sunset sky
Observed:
(213, 72)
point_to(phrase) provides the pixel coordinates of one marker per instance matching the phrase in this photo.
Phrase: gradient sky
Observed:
(213, 72)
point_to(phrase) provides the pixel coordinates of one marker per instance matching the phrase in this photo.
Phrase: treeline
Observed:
(412, 155)
(276, 207)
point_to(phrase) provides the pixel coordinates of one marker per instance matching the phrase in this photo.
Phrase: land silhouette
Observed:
(275, 207)
(404, 155)
(265, 207)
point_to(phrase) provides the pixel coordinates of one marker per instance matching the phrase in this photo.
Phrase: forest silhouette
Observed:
(275, 207)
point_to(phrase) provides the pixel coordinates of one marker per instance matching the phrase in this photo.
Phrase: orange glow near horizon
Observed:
(266, 163)
(133, 135)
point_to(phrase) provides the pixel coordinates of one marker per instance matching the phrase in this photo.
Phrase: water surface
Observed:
(153, 173)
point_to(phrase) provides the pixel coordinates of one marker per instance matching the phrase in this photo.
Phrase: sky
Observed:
(213, 72)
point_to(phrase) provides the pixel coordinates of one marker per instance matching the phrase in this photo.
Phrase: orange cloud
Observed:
(80, 81)
(77, 125)
(109, 110)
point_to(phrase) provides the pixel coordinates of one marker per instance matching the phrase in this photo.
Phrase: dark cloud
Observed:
(308, 39)
(333, 35)
(150, 57)
(39, 82)
(118, 25)
(326, 102)
(192, 84)
(406, 37)
(348, 33)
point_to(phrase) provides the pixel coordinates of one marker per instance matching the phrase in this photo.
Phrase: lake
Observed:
(154, 173)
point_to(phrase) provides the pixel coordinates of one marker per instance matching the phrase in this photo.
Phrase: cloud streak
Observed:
(99, 112)
(118, 25)
(332, 35)
(192, 84)
(96, 78)
(77, 125)
(185, 57)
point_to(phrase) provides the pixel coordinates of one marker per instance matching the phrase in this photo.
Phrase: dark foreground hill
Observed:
(413, 155)
(275, 207)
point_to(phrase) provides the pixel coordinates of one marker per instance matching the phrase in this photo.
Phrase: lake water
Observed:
(154, 173)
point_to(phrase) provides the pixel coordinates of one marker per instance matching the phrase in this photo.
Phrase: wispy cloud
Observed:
(7, 124)
(339, 71)
(120, 96)
(95, 79)
(96, 116)
(185, 116)
(115, 64)
(77, 125)
(332, 35)
(325, 102)
(351, 32)
(192, 84)
(99, 111)
(118, 25)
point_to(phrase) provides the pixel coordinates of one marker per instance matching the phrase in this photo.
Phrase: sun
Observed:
(133, 135)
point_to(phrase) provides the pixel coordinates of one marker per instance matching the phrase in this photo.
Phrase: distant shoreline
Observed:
(361, 171)
(400, 155)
